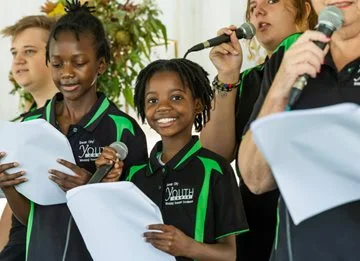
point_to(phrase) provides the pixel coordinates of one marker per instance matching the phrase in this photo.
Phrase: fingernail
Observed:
(25, 180)
(15, 164)
(235, 52)
(50, 171)
(59, 160)
(22, 172)
(2, 153)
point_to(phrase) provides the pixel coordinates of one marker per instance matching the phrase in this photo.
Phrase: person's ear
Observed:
(305, 21)
(308, 8)
(102, 66)
(198, 106)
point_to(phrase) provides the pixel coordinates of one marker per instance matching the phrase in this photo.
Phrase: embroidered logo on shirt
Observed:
(88, 151)
(176, 195)
(357, 81)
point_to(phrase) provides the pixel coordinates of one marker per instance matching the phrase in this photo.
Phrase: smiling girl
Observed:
(194, 188)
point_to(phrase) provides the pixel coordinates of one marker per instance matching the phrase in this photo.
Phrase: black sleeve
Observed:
(137, 147)
(247, 94)
(270, 70)
(229, 212)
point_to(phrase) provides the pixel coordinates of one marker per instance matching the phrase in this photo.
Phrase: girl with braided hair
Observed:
(194, 188)
(77, 52)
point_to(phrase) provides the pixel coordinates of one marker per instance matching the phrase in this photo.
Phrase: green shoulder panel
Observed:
(103, 107)
(32, 117)
(201, 209)
(122, 123)
(133, 170)
(197, 146)
(288, 42)
(29, 228)
(48, 110)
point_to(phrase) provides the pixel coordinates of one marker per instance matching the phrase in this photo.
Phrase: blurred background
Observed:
(187, 22)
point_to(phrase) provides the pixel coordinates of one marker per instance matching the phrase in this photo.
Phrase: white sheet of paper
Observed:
(2, 205)
(112, 218)
(36, 145)
(314, 156)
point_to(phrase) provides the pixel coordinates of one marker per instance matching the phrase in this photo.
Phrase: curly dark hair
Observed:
(79, 19)
(191, 75)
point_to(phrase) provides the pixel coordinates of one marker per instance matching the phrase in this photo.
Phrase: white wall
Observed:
(194, 21)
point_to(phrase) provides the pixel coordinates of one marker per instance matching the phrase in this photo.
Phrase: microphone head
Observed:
(331, 16)
(247, 30)
(121, 149)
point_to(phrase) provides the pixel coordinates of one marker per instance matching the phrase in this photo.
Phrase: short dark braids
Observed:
(190, 73)
(79, 20)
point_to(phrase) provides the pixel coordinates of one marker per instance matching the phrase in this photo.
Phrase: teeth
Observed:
(166, 120)
(342, 4)
(69, 84)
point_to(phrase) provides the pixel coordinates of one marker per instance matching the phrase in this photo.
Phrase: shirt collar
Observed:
(350, 67)
(179, 161)
(90, 121)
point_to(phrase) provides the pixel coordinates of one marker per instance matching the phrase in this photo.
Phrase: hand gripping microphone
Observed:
(330, 19)
(102, 171)
(245, 31)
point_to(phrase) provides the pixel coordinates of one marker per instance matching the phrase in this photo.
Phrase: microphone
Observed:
(102, 171)
(245, 31)
(330, 19)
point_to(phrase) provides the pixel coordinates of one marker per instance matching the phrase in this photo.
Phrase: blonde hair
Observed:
(31, 21)
(302, 21)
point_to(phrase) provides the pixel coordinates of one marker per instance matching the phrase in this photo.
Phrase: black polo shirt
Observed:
(260, 209)
(334, 234)
(196, 192)
(104, 124)
(15, 248)
(247, 94)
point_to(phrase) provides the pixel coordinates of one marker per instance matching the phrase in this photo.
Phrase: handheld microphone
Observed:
(102, 171)
(330, 19)
(99, 174)
(245, 31)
